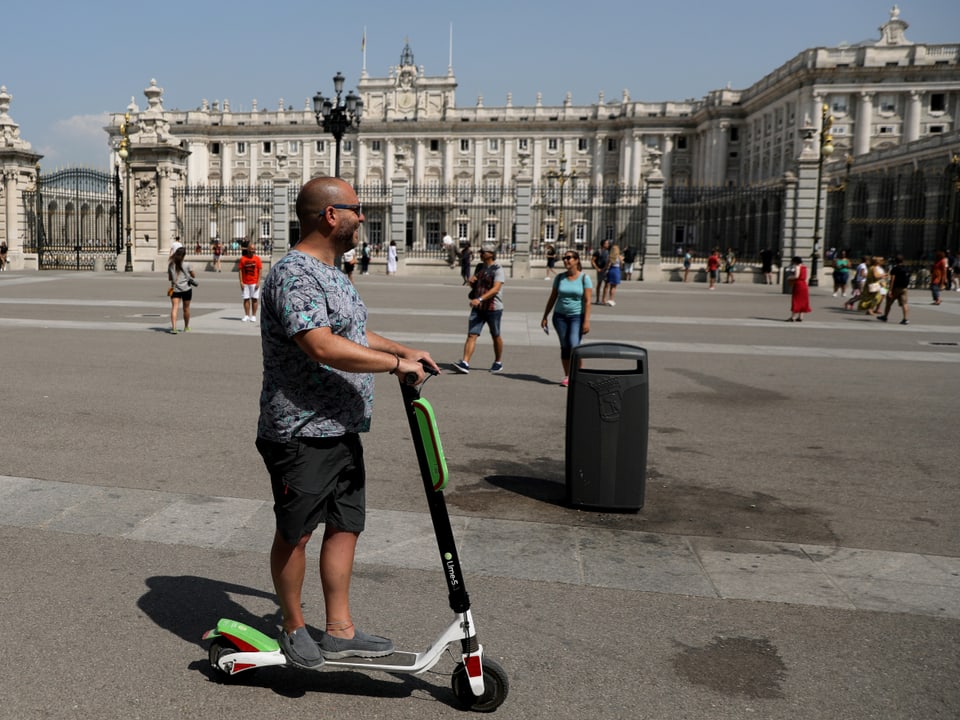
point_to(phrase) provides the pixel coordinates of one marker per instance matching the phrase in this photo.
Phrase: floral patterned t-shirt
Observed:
(302, 397)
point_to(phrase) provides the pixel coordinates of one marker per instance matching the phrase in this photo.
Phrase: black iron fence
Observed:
(73, 220)
(913, 213)
(744, 219)
(228, 215)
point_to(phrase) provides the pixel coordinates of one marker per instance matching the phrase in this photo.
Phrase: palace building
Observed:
(881, 93)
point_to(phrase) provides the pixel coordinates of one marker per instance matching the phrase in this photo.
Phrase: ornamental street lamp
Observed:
(336, 117)
(826, 150)
(124, 153)
(561, 176)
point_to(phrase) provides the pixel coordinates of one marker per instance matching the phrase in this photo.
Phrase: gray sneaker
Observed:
(461, 367)
(360, 645)
(300, 649)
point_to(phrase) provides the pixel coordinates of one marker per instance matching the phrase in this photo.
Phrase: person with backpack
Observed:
(899, 282)
(486, 308)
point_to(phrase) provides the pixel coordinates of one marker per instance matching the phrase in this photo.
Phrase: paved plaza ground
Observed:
(798, 555)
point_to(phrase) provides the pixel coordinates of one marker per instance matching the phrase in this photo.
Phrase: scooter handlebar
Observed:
(411, 378)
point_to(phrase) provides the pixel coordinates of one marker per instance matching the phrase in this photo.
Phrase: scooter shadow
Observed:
(172, 602)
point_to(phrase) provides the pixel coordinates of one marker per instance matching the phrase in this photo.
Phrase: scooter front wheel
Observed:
(495, 687)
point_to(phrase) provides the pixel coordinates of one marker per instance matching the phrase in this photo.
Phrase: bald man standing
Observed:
(317, 397)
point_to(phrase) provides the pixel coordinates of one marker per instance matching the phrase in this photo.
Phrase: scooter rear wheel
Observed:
(495, 687)
(218, 650)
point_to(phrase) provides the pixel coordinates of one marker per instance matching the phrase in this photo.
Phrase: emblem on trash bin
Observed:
(609, 398)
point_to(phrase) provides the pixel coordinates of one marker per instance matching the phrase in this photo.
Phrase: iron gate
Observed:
(745, 219)
(74, 220)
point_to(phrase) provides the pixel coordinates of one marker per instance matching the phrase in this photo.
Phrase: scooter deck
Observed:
(399, 660)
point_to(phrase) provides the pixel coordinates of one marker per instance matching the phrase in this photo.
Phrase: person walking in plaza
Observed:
(713, 268)
(799, 290)
(182, 281)
(859, 281)
(316, 399)
(729, 262)
(349, 263)
(466, 263)
(364, 259)
(766, 265)
(899, 282)
(841, 274)
(551, 256)
(687, 262)
(874, 289)
(938, 275)
(4, 249)
(599, 261)
(629, 260)
(392, 258)
(486, 308)
(570, 301)
(250, 266)
(217, 255)
(613, 277)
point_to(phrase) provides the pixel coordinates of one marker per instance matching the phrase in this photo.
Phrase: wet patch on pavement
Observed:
(739, 666)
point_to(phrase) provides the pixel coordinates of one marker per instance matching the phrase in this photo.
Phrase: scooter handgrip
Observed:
(410, 378)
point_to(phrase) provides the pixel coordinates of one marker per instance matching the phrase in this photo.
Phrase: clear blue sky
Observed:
(67, 64)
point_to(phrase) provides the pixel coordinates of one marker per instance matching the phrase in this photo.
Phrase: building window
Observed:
(935, 129)
(375, 145)
(267, 147)
(735, 131)
(463, 231)
(582, 144)
(215, 148)
(838, 104)
(241, 148)
(552, 144)
(611, 144)
(888, 104)
(464, 145)
(886, 130)
(579, 233)
(493, 144)
(608, 233)
(433, 232)
(938, 102)
(523, 144)
(374, 229)
(434, 146)
(321, 146)
(348, 146)
(491, 232)
(682, 142)
(550, 232)
(265, 229)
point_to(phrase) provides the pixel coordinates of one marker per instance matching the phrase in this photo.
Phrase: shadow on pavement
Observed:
(548, 491)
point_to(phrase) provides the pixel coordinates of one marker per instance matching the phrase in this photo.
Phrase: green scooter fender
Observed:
(246, 638)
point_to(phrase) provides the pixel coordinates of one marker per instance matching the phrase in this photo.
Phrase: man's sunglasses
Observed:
(358, 209)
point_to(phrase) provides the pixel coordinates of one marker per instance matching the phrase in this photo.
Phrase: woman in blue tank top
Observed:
(570, 299)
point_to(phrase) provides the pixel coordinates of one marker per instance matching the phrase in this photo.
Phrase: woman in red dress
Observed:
(938, 275)
(799, 293)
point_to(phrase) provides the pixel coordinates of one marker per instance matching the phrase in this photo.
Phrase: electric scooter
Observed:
(479, 683)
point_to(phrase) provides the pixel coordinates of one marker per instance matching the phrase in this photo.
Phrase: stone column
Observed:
(636, 159)
(362, 155)
(281, 218)
(524, 199)
(667, 163)
(650, 270)
(788, 247)
(448, 161)
(864, 128)
(398, 218)
(165, 222)
(911, 125)
(598, 150)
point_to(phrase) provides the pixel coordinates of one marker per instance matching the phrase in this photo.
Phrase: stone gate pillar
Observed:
(788, 244)
(398, 218)
(18, 172)
(651, 243)
(521, 253)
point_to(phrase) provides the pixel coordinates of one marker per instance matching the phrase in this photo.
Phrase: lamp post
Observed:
(336, 117)
(124, 153)
(561, 176)
(826, 150)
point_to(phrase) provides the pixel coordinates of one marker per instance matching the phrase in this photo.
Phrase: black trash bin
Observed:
(607, 426)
